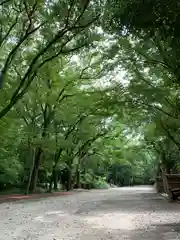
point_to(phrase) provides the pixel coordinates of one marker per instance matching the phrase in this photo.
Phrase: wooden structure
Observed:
(171, 183)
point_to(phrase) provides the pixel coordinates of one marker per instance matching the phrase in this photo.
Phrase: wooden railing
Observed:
(171, 183)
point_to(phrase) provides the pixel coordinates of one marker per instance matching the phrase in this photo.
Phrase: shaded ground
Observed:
(124, 213)
(17, 197)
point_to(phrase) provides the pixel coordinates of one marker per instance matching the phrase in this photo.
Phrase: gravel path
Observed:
(123, 213)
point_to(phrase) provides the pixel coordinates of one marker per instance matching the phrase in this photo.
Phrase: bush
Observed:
(87, 181)
(100, 183)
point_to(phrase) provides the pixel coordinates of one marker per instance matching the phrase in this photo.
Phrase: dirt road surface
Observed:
(121, 213)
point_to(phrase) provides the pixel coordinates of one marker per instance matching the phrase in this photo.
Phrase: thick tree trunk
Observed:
(36, 170)
(50, 184)
(54, 173)
(158, 171)
(69, 183)
(31, 171)
(55, 179)
(167, 168)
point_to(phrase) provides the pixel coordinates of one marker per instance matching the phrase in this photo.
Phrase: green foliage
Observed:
(83, 107)
(149, 49)
(100, 183)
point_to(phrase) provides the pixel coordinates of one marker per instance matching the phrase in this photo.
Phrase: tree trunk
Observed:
(69, 183)
(33, 152)
(158, 172)
(116, 179)
(55, 179)
(50, 184)
(168, 170)
(78, 175)
(78, 179)
(36, 170)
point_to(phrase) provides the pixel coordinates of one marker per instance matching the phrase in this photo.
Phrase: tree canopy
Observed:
(89, 93)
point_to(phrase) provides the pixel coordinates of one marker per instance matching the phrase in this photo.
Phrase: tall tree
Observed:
(36, 32)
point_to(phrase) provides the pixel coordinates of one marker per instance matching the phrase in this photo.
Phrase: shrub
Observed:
(100, 183)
